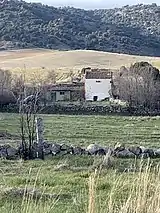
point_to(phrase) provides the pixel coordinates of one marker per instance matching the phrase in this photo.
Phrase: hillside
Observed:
(37, 62)
(130, 29)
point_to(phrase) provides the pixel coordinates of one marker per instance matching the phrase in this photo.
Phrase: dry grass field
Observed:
(37, 62)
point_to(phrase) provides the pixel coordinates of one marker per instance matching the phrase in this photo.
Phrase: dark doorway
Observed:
(95, 98)
(53, 96)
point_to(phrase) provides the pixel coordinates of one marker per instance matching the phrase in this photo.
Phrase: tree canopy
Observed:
(130, 29)
(139, 85)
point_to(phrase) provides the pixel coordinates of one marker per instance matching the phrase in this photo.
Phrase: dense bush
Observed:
(130, 29)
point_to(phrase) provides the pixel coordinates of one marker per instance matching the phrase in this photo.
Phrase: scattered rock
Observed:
(3, 152)
(135, 150)
(157, 153)
(93, 149)
(65, 149)
(149, 152)
(8, 152)
(119, 147)
(12, 153)
(144, 155)
(124, 154)
(100, 151)
(47, 151)
(144, 150)
(77, 151)
(55, 148)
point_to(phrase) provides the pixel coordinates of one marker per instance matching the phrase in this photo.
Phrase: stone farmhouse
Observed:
(98, 83)
(63, 92)
(94, 85)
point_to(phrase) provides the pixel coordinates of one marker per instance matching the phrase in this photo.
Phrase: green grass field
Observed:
(84, 130)
(72, 177)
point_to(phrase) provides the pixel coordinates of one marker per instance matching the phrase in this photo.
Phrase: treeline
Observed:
(130, 29)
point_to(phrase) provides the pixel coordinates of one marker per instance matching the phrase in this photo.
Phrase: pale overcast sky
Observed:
(88, 4)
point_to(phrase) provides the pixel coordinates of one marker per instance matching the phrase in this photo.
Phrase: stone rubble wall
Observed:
(87, 108)
(119, 151)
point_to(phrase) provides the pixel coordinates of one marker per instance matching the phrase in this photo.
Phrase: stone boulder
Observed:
(144, 155)
(77, 150)
(93, 149)
(8, 152)
(119, 147)
(55, 148)
(47, 148)
(100, 151)
(147, 152)
(3, 151)
(65, 149)
(157, 153)
(124, 154)
(136, 150)
(12, 153)
(46, 144)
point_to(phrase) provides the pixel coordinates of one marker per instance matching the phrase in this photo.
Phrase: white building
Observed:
(97, 84)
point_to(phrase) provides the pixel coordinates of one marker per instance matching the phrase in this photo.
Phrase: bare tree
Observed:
(5, 79)
(51, 77)
(28, 109)
(139, 86)
(6, 95)
(18, 85)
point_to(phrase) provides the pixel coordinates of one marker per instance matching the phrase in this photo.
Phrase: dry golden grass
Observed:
(139, 195)
(37, 62)
(157, 64)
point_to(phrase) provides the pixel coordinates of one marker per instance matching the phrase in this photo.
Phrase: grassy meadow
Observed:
(84, 130)
(68, 184)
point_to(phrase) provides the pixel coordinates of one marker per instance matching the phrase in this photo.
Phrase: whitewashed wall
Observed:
(95, 88)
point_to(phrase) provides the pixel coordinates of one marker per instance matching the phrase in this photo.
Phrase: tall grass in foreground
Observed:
(108, 191)
(140, 194)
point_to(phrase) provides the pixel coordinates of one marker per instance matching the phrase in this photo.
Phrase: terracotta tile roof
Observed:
(98, 74)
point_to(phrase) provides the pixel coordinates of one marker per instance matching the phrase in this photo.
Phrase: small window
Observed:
(62, 93)
(95, 98)
(98, 81)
